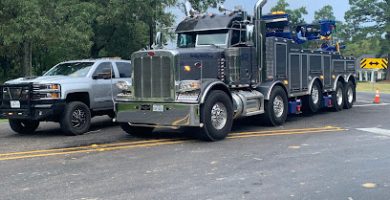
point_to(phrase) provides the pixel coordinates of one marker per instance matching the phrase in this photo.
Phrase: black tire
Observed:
(76, 119)
(26, 127)
(338, 97)
(311, 104)
(136, 131)
(220, 104)
(272, 118)
(349, 95)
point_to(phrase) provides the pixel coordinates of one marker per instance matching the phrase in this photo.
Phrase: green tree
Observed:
(296, 15)
(371, 19)
(325, 12)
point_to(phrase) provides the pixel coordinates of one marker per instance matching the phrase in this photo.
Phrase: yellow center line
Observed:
(151, 143)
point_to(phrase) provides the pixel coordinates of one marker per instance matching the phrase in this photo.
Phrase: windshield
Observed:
(189, 40)
(76, 69)
(212, 39)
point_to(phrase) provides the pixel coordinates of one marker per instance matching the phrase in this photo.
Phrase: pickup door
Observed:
(103, 86)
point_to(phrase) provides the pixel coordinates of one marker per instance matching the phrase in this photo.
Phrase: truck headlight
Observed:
(188, 85)
(123, 85)
(125, 88)
(47, 91)
(190, 97)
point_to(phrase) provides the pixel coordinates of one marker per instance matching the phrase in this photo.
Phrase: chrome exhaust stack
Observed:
(259, 38)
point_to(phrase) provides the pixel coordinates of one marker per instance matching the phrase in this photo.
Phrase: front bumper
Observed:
(172, 114)
(43, 110)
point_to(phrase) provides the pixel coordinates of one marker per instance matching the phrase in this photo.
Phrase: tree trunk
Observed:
(27, 59)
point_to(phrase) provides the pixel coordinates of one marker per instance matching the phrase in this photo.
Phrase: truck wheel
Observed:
(350, 94)
(276, 107)
(136, 131)
(338, 97)
(24, 126)
(217, 117)
(312, 103)
(76, 119)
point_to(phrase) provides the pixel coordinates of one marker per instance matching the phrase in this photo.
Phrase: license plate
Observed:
(15, 104)
(158, 108)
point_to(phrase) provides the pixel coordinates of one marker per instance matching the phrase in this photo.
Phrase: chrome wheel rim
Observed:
(278, 105)
(339, 96)
(218, 116)
(315, 95)
(350, 95)
(79, 118)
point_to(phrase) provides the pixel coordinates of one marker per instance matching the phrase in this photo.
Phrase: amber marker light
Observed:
(55, 87)
(187, 68)
(285, 82)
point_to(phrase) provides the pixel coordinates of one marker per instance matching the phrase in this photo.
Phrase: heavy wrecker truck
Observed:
(230, 66)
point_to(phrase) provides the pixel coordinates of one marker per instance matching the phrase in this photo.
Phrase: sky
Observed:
(339, 7)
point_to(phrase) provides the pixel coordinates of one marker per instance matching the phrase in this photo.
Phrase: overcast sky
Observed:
(339, 7)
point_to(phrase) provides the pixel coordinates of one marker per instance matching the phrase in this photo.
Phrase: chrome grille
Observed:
(153, 77)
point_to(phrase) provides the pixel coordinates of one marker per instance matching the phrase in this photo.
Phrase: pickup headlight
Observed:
(47, 92)
(188, 85)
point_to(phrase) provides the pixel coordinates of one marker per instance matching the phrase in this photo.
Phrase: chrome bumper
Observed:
(172, 115)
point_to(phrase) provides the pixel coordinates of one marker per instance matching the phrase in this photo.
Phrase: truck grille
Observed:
(153, 77)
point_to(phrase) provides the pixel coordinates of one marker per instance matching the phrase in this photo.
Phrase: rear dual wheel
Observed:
(338, 97)
(312, 103)
(276, 108)
(349, 94)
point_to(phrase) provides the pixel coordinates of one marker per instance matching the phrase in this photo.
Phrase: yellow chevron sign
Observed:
(374, 63)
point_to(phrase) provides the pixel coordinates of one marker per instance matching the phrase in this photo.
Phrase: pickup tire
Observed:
(349, 95)
(338, 97)
(26, 127)
(313, 102)
(136, 131)
(76, 119)
(217, 117)
(276, 107)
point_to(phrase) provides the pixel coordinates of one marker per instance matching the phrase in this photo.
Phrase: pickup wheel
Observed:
(312, 103)
(217, 117)
(26, 127)
(136, 131)
(338, 97)
(350, 94)
(276, 107)
(76, 119)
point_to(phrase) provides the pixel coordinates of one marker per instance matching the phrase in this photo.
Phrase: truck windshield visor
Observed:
(76, 69)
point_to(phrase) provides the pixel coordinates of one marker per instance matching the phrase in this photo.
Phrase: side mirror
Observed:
(159, 40)
(250, 34)
(102, 76)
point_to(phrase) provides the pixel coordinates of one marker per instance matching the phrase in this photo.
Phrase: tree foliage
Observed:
(325, 12)
(36, 34)
(296, 15)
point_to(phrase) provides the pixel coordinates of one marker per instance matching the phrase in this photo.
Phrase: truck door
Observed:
(102, 86)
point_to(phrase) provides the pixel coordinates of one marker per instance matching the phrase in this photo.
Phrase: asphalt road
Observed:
(329, 155)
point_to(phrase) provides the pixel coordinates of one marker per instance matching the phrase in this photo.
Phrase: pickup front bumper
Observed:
(155, 114)
(25, 107)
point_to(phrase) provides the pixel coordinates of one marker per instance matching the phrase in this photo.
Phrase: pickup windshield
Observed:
(74, 69)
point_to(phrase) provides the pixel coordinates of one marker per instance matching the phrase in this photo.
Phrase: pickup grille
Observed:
(19, 93)
(153, 77)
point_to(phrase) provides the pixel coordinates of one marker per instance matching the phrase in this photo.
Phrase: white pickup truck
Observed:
(70, 93)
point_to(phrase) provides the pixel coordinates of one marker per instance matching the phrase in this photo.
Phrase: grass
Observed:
(3, 120)
(384, 87)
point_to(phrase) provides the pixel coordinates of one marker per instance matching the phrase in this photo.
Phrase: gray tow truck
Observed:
(234, 65)
(70, 93)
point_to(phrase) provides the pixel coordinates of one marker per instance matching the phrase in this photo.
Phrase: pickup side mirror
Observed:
(102, 75)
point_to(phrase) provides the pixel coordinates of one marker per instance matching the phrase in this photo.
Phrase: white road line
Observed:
(369, 105)
(379, 131)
